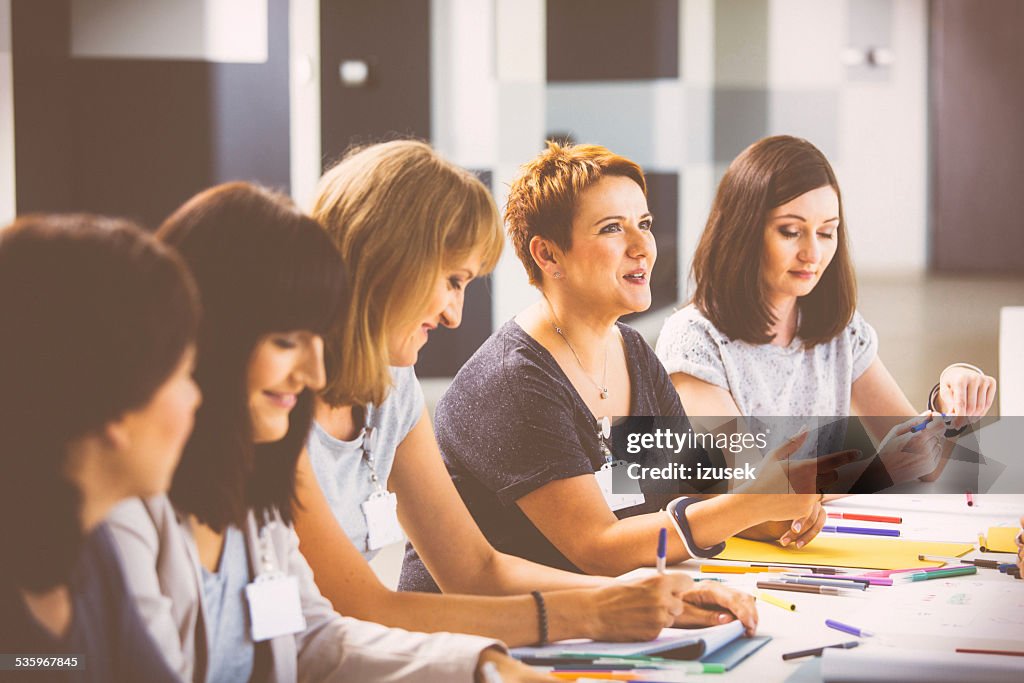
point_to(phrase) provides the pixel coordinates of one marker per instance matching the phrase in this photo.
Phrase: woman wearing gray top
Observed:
(773, 328)
(218, 575)
(517, 426)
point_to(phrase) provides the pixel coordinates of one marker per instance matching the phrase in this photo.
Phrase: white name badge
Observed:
(275, 608)
(629, 489)
(381, 513)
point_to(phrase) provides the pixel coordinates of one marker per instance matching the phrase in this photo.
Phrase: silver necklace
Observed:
(603, 386)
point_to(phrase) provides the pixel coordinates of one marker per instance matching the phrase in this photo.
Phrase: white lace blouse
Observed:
(768, 380)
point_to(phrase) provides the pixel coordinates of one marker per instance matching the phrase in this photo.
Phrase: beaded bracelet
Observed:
(542, 618)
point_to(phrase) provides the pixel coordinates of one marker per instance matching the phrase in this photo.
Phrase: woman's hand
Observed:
(965, 393)
(793, 517)
(638, 610)
(710, 604)
(908, 455)
(1020, 548)
(510, 670)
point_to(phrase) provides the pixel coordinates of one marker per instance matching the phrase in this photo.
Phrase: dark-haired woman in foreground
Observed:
(773, 328)
(97, 400)
(219, 574)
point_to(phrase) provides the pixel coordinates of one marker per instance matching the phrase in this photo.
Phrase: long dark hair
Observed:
(96, 316)
(262, 266)
(727, 263)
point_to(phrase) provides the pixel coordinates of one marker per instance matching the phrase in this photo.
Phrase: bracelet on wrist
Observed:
(542, 618)
(677, 513)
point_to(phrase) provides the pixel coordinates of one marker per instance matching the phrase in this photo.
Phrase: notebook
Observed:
(723, 644)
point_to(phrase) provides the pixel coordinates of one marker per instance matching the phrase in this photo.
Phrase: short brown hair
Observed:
(399, 213)
(727, 264)
(542, 200)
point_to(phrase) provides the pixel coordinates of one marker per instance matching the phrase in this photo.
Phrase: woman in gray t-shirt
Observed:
(773, 328)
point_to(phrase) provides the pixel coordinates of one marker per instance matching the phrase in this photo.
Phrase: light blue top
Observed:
(227, 616)
(342, 471)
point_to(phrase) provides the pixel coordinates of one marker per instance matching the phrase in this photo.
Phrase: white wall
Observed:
(212, 30)
(871, 122)
(884, 167)
(7, 203)
(304, 99)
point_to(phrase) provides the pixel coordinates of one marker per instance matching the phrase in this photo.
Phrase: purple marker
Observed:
(662, 549)
(846, 628)
(864, 531)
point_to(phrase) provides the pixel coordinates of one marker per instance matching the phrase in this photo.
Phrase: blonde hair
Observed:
(398, 213)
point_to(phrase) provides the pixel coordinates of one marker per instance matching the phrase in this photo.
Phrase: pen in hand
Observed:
(662, 549)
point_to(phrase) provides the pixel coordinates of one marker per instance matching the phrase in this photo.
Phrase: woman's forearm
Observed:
(512, 619)
(511, 575)
(714, 520)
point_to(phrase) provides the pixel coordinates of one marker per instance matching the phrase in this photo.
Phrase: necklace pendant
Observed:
(604, 393)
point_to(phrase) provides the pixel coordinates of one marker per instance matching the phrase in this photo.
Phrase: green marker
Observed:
(943, 573)
(659, 662)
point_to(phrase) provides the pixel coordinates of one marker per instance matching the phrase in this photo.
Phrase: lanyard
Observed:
(368, 446)
(604, 430)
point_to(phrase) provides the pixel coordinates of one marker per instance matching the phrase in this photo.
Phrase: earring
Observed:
(558, 273)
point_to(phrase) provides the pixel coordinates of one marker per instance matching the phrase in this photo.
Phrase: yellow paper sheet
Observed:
(1001, 539)
(844, 551)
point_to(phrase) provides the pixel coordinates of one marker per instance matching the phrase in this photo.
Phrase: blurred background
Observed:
(130, 106)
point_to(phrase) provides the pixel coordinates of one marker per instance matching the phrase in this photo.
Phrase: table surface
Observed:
(985, 610)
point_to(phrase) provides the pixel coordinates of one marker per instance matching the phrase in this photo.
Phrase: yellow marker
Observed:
(981, 542)
(778, 602)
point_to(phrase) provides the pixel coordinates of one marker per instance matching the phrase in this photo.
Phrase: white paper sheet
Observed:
(923, 666)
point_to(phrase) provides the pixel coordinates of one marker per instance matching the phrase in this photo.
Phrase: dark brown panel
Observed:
(136, 137)
(42, 92)
(977, 79)
(612, 39)
(393, 38)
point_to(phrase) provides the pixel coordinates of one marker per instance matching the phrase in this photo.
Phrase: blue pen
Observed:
(662, 549)
(1007, 566)
(846, 628)
(865, 531)
(916, 428)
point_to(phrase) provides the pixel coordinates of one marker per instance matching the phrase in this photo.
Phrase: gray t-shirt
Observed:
(511, 422)
(227, 618)
(768, 380)
(344, 473)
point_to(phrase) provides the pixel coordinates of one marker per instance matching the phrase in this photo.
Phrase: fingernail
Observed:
(796, 527)
(723, 617)
(799, 544)
(785, 540)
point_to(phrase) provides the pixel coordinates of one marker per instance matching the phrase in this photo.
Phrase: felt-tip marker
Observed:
(816, 651)
(662, 549)
(846, 628)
